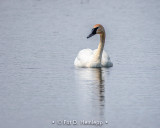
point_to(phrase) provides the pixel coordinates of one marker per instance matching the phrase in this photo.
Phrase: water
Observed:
(39, 41)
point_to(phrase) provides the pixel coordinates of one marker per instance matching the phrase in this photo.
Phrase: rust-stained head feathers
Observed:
(97, 25)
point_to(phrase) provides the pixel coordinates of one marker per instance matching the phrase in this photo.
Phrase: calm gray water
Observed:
(39, 40)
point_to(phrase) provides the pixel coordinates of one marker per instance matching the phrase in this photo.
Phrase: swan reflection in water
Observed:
(91, 88)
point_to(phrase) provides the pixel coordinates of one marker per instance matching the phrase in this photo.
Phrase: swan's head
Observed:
(97, 29)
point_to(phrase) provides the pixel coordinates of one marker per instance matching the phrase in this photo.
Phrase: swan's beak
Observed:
(90, 35)
(93, 32)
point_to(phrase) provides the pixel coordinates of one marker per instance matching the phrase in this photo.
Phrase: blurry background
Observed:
(39, 40)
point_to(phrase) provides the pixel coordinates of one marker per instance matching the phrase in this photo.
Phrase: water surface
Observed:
(39, 40)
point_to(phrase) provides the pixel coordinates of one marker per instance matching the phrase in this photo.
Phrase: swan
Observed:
(94, 58)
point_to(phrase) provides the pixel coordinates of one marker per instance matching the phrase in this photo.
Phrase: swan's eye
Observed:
(94, 30)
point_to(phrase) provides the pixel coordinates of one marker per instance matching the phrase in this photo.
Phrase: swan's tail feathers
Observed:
(109, 64)
(106, 61)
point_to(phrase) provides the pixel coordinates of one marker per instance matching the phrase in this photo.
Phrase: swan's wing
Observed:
(83, 57)
(106, 62)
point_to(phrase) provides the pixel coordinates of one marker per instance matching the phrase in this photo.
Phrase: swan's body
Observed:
(94, 58)
(85, 58)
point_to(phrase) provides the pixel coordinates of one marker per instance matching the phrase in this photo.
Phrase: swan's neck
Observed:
(98, 54)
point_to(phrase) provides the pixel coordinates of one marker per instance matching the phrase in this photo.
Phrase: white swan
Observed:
(94, 58)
